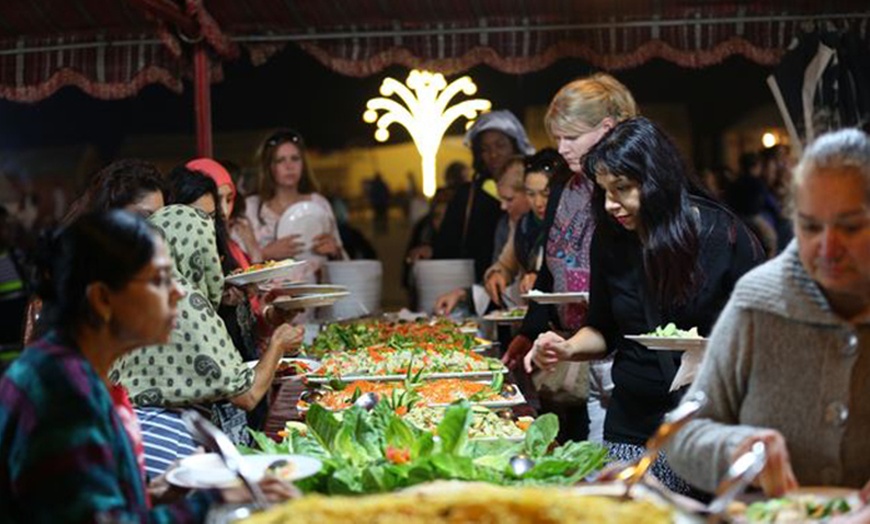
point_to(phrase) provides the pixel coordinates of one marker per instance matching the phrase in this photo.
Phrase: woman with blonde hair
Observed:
(285, 179)
(578, 116)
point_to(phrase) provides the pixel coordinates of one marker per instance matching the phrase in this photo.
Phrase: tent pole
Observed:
(202, 100)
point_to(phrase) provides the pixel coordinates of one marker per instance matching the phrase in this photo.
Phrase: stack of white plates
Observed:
(363, 279)
(436, 277)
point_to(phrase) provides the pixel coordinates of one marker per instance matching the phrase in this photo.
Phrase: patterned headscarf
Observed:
(200, 363)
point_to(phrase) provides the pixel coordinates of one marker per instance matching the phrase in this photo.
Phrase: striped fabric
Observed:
(10, 279)
(165, 437)
(64, 453)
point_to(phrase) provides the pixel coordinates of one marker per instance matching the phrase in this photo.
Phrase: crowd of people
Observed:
(130, 320)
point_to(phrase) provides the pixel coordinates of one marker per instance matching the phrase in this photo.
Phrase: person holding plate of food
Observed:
(662, 252)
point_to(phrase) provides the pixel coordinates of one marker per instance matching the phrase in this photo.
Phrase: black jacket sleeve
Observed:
(539, 316)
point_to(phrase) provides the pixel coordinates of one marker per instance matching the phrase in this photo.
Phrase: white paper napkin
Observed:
(689, 365)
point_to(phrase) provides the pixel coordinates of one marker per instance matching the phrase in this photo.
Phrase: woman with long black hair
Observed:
(662, 252)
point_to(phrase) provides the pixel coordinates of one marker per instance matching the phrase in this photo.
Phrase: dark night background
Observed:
(293, 89)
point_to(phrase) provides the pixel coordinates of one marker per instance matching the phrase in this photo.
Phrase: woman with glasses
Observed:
(68, 438)
(523, 254)
(200, 366)
(662, 252)
(285, 179)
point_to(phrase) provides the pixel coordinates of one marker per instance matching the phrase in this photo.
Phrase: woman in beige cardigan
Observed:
(788, 362)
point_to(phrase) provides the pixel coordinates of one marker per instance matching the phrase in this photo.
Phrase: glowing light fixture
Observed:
(769, 139)
(425, 113)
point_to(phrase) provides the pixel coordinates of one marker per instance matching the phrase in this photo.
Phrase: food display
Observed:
(362, 335)
(396, 359)
(378, 451)
(485, 423)
(481, 503)
(427, 393)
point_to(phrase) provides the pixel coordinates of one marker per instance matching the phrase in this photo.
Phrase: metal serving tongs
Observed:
(212, 438)
(740, 475)
(632, 472)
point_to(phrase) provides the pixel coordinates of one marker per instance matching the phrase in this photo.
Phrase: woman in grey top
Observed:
(788, 362)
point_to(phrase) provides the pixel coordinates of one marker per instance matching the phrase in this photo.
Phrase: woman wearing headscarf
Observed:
(227, 195)
(472, 216)
(200, 366)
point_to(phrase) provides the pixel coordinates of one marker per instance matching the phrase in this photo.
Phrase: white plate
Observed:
(207, 470)
(501, 317)
(312, 300)
(314, 365)
(280, 270)
(669, 343)
(292, 289)
(575, 297)
(305, 219)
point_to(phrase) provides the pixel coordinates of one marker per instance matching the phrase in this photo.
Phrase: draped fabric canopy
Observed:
(112, 48)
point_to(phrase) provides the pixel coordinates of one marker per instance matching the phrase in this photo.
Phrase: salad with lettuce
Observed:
(672, 331)
(377, 451)
(798, 508)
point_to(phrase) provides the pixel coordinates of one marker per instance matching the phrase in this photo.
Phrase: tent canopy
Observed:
(112, 48)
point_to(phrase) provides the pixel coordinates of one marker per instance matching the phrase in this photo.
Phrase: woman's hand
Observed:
(447, 302)
(548, 350)
(242, 228)
(527, 283)
(275, 489)
(495, 285)
(777, 477)
(860, 515)
(516, 351)
(232, 296)
(284, 247)
(288, 338)
(326, 245)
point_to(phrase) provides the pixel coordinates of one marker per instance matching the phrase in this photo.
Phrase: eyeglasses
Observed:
(162, 279)
(284, 136)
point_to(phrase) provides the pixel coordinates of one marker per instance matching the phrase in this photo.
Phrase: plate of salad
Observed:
(807, 504)
(671, 338)
(570, 297)
(507, 316)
